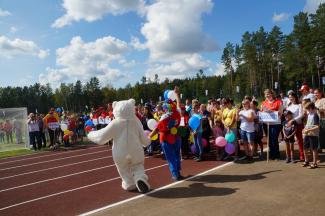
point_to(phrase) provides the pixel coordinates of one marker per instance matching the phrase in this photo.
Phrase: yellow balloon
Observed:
(173, 131)
(155, 137)
(191, 138)
(66, 132)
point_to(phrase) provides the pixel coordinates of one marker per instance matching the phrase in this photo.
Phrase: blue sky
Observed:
(119, 41)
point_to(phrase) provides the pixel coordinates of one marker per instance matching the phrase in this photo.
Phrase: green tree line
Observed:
(262, 60)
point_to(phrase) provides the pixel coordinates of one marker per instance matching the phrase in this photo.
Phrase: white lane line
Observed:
(42, 162)
(60, 177)
(42, 170)
(155, 190)
(48, 155)
(71, 190)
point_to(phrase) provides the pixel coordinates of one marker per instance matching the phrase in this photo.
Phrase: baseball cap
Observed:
(304, 87)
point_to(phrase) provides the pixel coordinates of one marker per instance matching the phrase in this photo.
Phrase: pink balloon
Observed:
(147, 132)
(204, 143)
(221, 142)
(230, 148)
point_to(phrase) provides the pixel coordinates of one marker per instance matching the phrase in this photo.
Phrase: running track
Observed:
(75, 181)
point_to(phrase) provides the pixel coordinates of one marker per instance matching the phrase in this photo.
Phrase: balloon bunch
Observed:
(152, 124)
(170, 95)
(66, 133)
(227, 142)
(89, 125)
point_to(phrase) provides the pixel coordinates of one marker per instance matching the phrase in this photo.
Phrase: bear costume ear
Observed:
(114, 104)
(132, 101)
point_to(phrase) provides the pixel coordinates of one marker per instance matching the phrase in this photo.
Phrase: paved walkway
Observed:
(260, 188)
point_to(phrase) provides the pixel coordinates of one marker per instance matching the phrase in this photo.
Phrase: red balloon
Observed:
(88, 128)
(66, 137)
(171, 139)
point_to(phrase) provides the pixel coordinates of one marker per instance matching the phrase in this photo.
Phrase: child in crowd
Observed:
(197, 134)
(184, 132)
(258, 129)
(289, 131)
(311, 135)
(218, 130)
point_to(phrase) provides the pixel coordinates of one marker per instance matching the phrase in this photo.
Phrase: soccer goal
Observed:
(13, 129)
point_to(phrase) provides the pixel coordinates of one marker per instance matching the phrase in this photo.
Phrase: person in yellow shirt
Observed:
(229, 120)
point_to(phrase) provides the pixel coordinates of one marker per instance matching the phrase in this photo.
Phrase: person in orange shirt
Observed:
(271, 104)
(51, 121)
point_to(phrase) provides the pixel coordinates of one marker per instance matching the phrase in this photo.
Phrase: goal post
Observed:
(13, 129)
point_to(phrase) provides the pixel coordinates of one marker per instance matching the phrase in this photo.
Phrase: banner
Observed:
(269, 117)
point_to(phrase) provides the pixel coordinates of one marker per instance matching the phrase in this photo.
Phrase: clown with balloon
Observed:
(167, 127)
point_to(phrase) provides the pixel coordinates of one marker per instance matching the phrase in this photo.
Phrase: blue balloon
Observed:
(194, 122)
(89, 123)
(58, 110)
(166, 94)
(230, 137)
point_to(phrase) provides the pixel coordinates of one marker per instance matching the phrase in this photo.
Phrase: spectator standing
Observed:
(298, 114)
(33, 129)
(320, 105)
(8, 128)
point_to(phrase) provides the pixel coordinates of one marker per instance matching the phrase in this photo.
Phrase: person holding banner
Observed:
(51, 121)
(271, 104)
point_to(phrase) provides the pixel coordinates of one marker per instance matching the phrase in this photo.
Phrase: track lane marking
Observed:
(42, 170)
(48, 155)
(42, 162)
(71, 190)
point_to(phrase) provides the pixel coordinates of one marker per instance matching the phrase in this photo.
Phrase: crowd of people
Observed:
(301, 121)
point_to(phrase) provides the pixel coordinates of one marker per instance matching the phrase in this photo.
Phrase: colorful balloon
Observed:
(230, 148)
(90, 123)
(194, 122)
(152, 124)
(172, 95)
(64, 127)
(154, 137)
(166, 94)
(66, 137)
(221, 142)
(88, 128)
(66, 132)
(230, 137)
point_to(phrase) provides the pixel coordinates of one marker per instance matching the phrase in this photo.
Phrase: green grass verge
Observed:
(17, 152)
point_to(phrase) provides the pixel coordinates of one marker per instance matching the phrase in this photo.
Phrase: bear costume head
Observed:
(124, 109)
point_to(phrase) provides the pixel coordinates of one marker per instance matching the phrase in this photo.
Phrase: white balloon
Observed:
(172, 95)
(64, 127)
(152, 124)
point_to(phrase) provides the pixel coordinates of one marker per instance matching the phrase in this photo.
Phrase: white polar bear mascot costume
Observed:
(128, 140)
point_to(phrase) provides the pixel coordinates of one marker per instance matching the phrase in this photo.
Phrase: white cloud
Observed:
(4, 13)
(80, 60)
(312, 5)
(174, 29)
(90, 11)
(186, 67)
(280, 17)
(13, 29)
(136, 44)
(10, 48)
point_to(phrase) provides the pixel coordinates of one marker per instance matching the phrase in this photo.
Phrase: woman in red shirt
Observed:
(271, 104)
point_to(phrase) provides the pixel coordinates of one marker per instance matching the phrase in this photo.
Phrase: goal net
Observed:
(13, 129)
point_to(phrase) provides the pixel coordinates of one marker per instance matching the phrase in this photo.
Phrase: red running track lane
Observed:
(88, 191)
